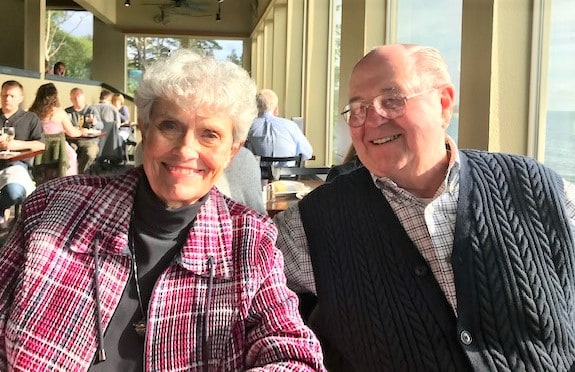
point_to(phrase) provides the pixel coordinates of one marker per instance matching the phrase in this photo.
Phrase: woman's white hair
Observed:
(196, 82)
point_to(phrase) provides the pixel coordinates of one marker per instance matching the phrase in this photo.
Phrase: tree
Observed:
(142, 51)
(75, 52)
(233, 57)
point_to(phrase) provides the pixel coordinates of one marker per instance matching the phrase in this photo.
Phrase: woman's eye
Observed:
(168, 127)
(210, 134)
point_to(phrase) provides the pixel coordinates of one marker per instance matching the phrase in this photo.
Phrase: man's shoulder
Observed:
(26, 117)
(70, 109)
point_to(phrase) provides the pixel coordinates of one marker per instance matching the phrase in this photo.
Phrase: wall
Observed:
(12, 33)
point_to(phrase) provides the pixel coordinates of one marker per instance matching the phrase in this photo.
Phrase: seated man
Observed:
(82, 116)
(432, 258)
(108, 115)
(273, 136)
(15, 181)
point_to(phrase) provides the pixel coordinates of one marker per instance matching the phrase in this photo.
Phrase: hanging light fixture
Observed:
(127, 3)
(219, 13)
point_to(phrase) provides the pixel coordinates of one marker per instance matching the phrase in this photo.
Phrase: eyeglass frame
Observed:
(346, 113)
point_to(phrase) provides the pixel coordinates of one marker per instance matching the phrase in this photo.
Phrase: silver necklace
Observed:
(139, 326)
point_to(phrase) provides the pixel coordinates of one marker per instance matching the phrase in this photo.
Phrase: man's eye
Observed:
(391, 103)
(356, 108)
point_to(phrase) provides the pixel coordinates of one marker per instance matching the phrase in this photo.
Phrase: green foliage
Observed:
(75, 52)
(142, 51)
(233, 57)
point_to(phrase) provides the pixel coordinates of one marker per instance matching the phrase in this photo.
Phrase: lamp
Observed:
(127, 3)
(219, 13)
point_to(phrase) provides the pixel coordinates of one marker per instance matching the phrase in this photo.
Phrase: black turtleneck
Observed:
(156, 235)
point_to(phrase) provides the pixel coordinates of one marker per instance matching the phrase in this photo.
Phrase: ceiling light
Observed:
(127, 3)
(219, 14)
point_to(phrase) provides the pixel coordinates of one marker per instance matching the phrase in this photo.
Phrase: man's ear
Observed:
(447, 102)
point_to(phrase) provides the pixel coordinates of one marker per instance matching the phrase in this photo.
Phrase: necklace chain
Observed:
(139, 326)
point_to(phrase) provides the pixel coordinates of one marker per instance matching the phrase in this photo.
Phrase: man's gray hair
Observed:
(196, 82)
(267, 101)
(431, 68)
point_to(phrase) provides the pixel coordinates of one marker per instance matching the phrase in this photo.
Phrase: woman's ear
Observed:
(141, 128)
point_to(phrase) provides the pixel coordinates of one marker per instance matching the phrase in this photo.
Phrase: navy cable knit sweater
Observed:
(380, 308)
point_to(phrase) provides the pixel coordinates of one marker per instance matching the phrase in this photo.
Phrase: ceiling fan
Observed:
(194, 8)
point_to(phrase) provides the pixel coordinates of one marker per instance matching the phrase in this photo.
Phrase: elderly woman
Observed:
(155, 269)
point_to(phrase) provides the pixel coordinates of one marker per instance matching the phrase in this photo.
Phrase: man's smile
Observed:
(381, 141)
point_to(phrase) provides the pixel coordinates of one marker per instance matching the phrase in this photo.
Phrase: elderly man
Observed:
(15, 180)
(430, 257)
(273, 136)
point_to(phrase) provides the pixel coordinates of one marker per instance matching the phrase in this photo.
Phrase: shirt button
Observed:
(465, 337)
(420, 270)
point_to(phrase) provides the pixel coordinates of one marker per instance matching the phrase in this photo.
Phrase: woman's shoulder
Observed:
(58, 115)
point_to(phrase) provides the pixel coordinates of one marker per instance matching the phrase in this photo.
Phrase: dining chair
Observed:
(303, 172)
(53, 162)
(269, 163)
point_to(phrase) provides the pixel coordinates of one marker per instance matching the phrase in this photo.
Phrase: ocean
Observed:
(559, 142)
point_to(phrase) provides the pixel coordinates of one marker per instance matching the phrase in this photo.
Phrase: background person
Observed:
(60, 68)
(111, 145)
(79, 108)
(181, 277)
(80, 113)
(273, 136)
(55, 120)
(125, 130)
(349, 163)
(430, 257)
(15, 180)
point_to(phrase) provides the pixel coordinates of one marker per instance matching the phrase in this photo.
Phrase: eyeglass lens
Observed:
(386, 106)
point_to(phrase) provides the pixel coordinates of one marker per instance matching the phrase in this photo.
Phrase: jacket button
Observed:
(465, 337)
(421, 270)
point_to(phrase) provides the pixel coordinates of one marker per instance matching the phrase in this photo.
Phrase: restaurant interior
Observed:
(499, 52)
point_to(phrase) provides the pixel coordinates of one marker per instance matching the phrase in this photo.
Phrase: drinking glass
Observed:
(9, 133)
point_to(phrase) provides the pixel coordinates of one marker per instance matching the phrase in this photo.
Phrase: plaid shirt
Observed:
(430, 224)
(48, 307)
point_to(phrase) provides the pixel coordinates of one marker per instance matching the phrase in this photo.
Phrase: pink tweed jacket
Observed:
(47, 286)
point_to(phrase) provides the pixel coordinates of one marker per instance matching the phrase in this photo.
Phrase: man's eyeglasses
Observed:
(390, 107)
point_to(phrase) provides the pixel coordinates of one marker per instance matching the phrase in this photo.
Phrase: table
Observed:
(16, 155)
(87, 136)
(282, 202)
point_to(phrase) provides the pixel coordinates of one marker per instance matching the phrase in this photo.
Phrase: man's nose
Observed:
(374, 118)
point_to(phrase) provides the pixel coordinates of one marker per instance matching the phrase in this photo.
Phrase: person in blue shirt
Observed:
(273, 136)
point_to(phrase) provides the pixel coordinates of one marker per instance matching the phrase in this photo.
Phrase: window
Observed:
(560, 128)
(436, 24)
(144, 50)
